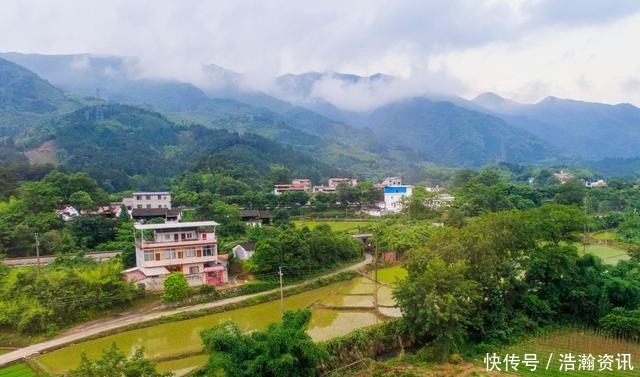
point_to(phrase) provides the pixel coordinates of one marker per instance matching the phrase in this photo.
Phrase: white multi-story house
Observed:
(157, 199)
(393, 196)
(189, 247)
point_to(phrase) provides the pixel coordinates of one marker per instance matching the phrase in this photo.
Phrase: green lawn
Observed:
(17, 370)
(337, 225)
(575, 342)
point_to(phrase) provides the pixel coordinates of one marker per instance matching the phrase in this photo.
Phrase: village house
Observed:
(142, 215)
(435, 188)
(351, 182)
(440, 201)
(598, 183)
(255, 218)
(333, 184)
(301, 184)
(67, 212)
(564, 176)
(155, 199)
(189, 247)
(393, 196)
(389, 181)
(244, 251)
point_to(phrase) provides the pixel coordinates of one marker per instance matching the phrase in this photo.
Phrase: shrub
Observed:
(176, 287)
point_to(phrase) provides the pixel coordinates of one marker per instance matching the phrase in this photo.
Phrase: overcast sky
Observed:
(524, 50)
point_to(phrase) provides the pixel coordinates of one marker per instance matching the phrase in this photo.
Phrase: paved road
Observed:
(15, 262)
(84, 331)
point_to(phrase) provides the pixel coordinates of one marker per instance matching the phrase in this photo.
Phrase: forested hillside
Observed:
(124, 147)
(26, 99)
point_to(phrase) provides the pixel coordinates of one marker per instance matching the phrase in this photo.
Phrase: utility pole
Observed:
(281, 291)
(37, 251)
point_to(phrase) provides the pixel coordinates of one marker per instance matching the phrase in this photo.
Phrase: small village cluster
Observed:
(191, 247)
(392, 188)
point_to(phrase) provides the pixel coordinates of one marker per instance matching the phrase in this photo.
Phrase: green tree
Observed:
(176, 287)
(81, 200)
(437, 301)
(288, 249)
(283, 350)
(571, 192)
(114, 363)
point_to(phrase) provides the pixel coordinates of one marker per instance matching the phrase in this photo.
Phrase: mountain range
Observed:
(396, 137)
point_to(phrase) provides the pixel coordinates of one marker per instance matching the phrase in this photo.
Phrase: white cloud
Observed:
(498, 45)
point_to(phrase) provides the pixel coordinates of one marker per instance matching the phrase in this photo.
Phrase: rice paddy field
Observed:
(337, 309)
(550, 347)
(349, 226)
(17, 370)
(605, 235)
(609, 254)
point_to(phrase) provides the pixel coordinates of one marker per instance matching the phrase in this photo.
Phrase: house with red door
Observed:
(187, 247)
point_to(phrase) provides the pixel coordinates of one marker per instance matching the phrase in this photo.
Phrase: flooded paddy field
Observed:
(337, 309)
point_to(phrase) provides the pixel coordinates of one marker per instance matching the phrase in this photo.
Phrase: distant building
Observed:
(67, 213)
(436, 188)
(254, 217)
(598, 183)
(324, 189)
(112, 210)
(564, 176)
(244, 251)
(441, 200)
(373, 211)
(393, 196)
(156, 199)
(190, 248)
(146, 214)
(300, 184)
(392, 181)
(334, 182)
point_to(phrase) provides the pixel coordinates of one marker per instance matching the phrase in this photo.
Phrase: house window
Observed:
(189, 236)
(191, 252)
(170, 254)
(139, 206)
(129, 208)
(207, 251)
(167, 237)
(148, 257)
(138, 197)
(148, 197)
(148, 205)
(159, 197)
(194, 270)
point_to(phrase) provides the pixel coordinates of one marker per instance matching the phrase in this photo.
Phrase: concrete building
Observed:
(334, 182)
(392, 181)
(156, 199)
(598, 183)
(244, 251)
(393, 195)
(564, 176)
(300, 184)
(189, 247)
